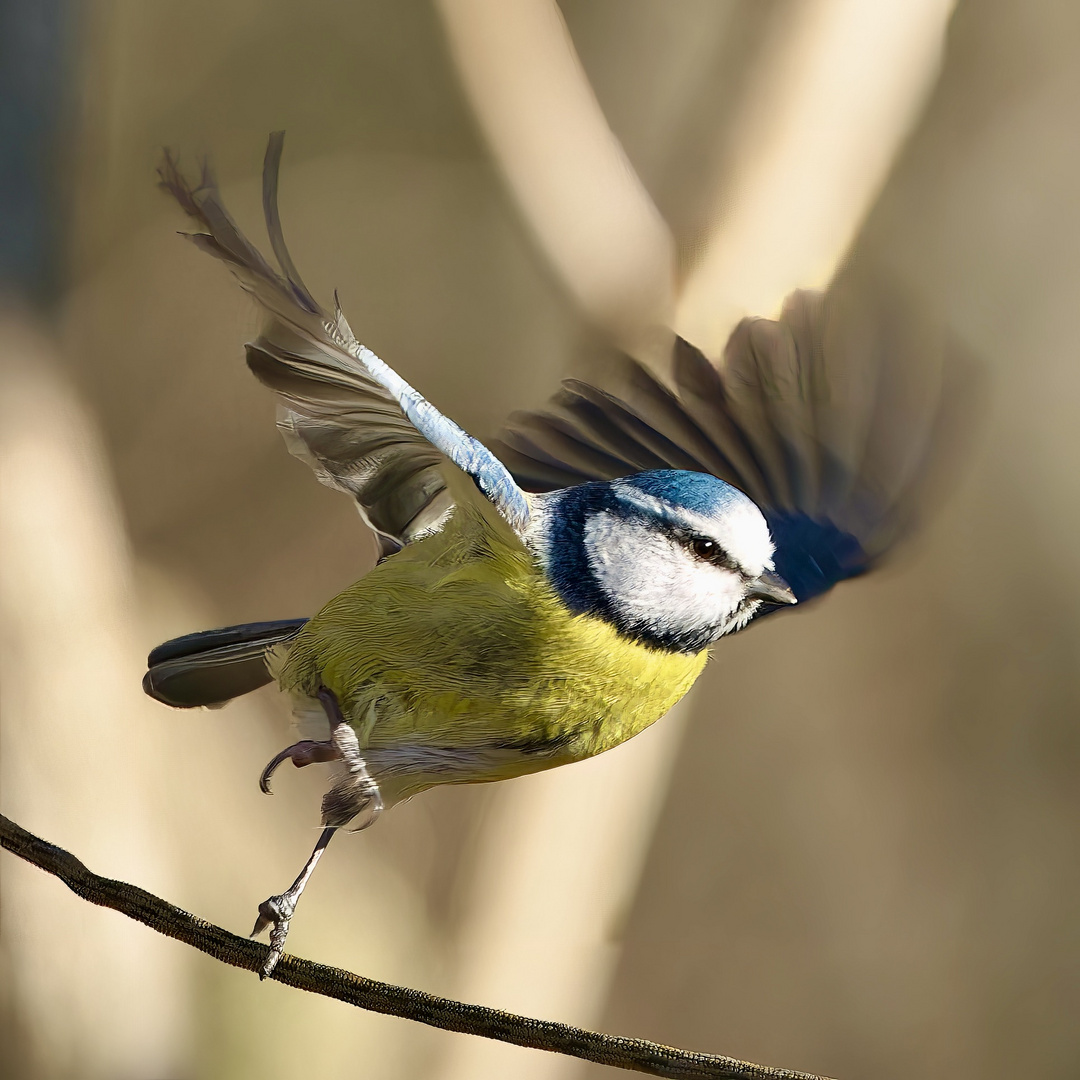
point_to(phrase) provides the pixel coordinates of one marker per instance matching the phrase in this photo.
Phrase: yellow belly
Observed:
(456, 662)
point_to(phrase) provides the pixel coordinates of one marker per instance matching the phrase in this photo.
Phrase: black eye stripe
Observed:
(708, 550)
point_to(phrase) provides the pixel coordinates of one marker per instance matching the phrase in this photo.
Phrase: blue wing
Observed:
(361, 427)
(835, 419)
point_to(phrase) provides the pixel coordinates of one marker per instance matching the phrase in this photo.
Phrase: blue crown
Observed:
(701, 493)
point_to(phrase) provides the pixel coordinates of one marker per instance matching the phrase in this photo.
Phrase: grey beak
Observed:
(771, 588)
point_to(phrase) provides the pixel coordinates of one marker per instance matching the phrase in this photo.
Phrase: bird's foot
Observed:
(276, 912)
(306, 752)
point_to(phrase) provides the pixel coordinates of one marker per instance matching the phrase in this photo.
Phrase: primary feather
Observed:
(832, 418)
(361, 427)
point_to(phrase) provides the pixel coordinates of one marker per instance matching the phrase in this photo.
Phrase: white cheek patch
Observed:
(653, 581)
(741, 530)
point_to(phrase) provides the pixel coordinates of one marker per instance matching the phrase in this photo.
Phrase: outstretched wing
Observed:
(353, 419)
(831, 418)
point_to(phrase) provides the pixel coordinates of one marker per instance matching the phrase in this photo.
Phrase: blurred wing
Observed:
(352, 418)
(832, 418)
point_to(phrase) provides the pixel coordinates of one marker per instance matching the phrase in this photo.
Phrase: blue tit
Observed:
(542, 601)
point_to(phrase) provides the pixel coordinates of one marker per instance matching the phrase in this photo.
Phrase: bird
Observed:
(544, 598)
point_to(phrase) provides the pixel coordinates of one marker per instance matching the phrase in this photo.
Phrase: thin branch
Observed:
(638, 1055)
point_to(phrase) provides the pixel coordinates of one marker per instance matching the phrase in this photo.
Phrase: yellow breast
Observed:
(456, 659)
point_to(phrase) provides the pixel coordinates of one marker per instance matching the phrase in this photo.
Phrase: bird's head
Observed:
(672, 559)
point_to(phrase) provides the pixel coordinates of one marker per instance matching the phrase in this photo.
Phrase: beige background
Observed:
(865, 860)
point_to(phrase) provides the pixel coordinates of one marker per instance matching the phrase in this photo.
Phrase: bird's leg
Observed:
(353, 791)
(277, 911)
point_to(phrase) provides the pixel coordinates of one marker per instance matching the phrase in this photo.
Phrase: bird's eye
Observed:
(704, 548)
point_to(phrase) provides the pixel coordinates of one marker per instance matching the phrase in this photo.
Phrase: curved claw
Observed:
(306, 752)
(271, 768)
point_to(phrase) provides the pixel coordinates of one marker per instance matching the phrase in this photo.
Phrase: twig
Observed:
(635, 1054)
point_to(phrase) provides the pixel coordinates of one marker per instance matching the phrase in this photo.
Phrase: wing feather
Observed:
(834, 418)
(361, 427)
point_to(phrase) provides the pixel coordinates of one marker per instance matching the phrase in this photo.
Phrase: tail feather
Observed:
(214, 666)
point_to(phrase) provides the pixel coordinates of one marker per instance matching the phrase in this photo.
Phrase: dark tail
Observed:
(214, 666)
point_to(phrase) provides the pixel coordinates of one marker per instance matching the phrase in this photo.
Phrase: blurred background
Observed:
(854, 848)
